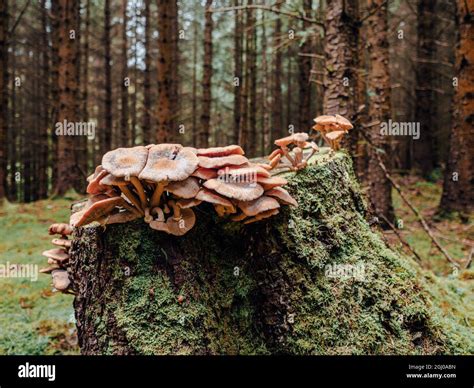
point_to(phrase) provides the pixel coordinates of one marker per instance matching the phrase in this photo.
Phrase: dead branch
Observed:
(400, 237)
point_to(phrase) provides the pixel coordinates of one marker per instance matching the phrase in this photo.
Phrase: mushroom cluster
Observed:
(292, 148)
(332, 129)
(58, 257)
(162, 183)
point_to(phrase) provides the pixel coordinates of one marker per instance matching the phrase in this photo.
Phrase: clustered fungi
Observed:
(162, 183)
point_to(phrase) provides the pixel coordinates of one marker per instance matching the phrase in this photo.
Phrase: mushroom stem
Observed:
(155, 198)
(148, 218)
(141, 193)
(159, 212)
(220, 210)
(285, 151)
(131, 197)
(176, 210)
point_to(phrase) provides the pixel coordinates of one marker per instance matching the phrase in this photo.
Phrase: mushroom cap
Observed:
(96, 172)
(259, 205)
(211, 197)
(184, 189)
(169, 162)
(269, 183)
(335, 135)
(159, 225)
(221, 151)
(61, 242)
(300, 137)
(113, 180)
(96, 211)
(118, 217)
(63, 229)
(284, 141)
(124, 162)
(57, 254)
(261, 216)
(61, 279)
(183, 225)
(187, 203)
(282, 195)
(242, 191)
(343, 122)
(325, 120)
(205, 173)
(222, 161)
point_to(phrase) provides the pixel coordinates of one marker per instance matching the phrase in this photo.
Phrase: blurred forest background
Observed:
(215, 72)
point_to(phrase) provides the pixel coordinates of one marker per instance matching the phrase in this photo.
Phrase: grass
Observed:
(34, 320)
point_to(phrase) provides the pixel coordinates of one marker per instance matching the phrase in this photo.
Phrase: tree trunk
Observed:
(425, 113)
(267, 288)
(305, 118)
(68, 94)
(252, 58)
(244, 140)
(4, 96)
(458, 189)
(204, 131)
(124, 82)
(266, 141)
(167, 82)
(106, 132)
(238, 35)
(378, 91)
(147, 78)
(277, 127)
(340, 47)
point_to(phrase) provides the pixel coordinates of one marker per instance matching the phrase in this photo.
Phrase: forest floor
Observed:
(36, 320)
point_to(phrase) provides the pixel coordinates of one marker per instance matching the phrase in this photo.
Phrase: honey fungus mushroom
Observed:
(332, 129)
(292, 148)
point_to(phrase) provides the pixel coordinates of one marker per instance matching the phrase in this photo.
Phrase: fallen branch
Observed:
(400, 237)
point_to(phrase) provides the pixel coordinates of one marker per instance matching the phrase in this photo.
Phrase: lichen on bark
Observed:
(228, 288)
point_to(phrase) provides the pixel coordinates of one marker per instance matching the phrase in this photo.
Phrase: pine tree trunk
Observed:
(266, 288)
(204, 131)
(68, 93)
(147, 78)
(425, 111)
(304, 67)
(252, 54)
(378, 85)
(458, 189)
(238, 34)
(124, 82)
(106, 132)
(4, 96)
(277, 127)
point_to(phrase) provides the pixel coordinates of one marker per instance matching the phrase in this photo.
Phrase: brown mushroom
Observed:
(261, 216)
(61, 279)
(94, 186)
(220, 151)
(242, 191)
(259, 205)
(179, 227)
(205, 173)
(62, 242)
(63, 229)
(221, 204)
(269, 183)
(184, 189)
(125, 162)
(96, 211)
(282, 195)
(222, 161)
(57, 254)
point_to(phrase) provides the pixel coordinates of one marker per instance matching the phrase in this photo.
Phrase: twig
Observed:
(400, 237)
(17, 21)
(270, 9)
(373, 12)
(469, 259)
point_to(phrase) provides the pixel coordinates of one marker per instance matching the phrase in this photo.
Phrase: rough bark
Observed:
(252, 58)
(167, 82)
(205, 130)
(147, 138)
(340, 47)
(226, 288)
(68, 94)
(458, 189)
(124, 110)
(4, 95)
(277, 129)
(378, 91)
(237, 72)
(304, 72)
(106, 132)
(425, 111)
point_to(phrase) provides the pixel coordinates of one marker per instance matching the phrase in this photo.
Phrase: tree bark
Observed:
(4, 96)
(147, 78)
(106, 132)
(204, 131)
(252, 58)
(238, 35)
(458, 188)
(68, 94)
(277, 127)
(124, 82)
(425, 111)
(304, 66)
(378, 91)
(167, 82)
(266, 288)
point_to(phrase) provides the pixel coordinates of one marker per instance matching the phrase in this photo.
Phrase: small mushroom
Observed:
(61, 279)
(269, 183)
(184, 189)
(63, 229)
(57, 254)
(96, 211)
(259, 205)
(282, 196)
(222, 161)
(242, 191)
(220, 151)
(221, 204)
(62, 242)
(183, 225)
(205, 173)
(94, 186)
(261, 216)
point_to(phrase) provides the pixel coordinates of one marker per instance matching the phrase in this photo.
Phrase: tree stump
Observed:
(312, 280)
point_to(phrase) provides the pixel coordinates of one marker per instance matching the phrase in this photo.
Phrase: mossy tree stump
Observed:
(228, 288)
